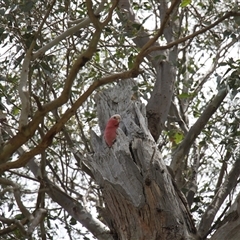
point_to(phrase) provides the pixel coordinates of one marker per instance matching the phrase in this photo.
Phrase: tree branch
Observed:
(57, 127)
(222, 171)
(23, 83)
(160, 101)
(16, 191)
(39, 216)
(192, 184)
(14, 224)
(209, 215)
(74, 208)
(94, 19)
(194, 131)
(29, 130)
(144, 50)
(84, 22)
(228, 227)
(184, 39)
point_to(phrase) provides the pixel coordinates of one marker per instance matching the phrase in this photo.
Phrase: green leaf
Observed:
(19, 216)
(178, 137)
(135, 88)
(184, 95)
(46, 66)
(137, 26)
(237, 19)
(131, 61)
(15, 111)
(97, 57)
(184, 3)
(73, 221)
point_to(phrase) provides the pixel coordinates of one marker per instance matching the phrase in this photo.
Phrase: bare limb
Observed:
(228, 227)
(192, 185)
(84, 22)
(189, 37)
(57, 127)
(209, 215)
(29, 130)
(160, 101)
(94, 19)
(145, 49)
(194, 131)
(109, 17)
(23, 82)
(14, 224)
(75, 209)
(39, 215)
(222, 171)
(16, 191)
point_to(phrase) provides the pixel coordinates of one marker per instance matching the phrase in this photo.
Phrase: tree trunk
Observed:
(141, 199)
(159, 104)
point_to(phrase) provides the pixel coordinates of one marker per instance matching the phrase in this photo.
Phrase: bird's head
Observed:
(115, 120)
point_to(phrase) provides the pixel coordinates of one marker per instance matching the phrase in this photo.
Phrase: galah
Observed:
(110, 132)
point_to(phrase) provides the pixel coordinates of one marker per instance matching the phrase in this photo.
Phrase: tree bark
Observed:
(159, 104)
(164, 63)
(229, 227)
(141, 199)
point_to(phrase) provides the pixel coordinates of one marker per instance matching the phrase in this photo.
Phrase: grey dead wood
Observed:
(141, 201)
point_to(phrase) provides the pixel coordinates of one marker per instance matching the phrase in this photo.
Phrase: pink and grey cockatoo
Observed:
(110, 132)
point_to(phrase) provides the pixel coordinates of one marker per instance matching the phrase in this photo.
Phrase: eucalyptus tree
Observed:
(170, 69)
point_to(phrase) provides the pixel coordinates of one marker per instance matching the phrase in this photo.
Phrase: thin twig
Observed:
(184, 39)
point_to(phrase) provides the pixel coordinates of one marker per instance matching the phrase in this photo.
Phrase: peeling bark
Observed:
(141, 199)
